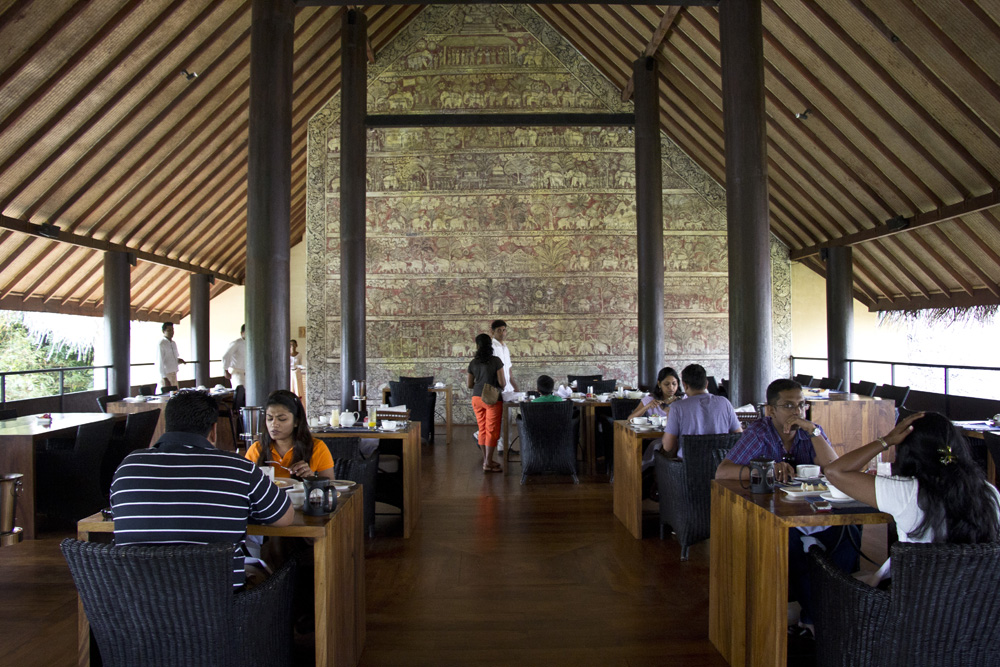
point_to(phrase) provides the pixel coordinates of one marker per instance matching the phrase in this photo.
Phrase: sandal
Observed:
(493, 467)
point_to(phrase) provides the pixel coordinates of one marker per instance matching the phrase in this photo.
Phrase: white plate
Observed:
(392, 430)
(797, 492)
(645, 428)
(827, 496)
(344, 484)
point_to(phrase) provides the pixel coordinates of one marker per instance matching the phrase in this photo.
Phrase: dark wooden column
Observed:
(746, 200)
(839, 311)
(117, 313)
(200, 285)
(268, 197)
(353, 190)
(649, 219)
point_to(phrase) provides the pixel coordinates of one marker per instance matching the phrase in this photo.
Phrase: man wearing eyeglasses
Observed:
(786, 437)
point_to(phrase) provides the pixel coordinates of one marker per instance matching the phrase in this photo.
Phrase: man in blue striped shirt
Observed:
(184, 490)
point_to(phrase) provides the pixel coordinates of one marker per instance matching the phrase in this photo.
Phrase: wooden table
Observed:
(225, 438)
(446, 390)
(18, 438)
(748, 579)
(411, 465)
(854, 423)
(628, 475)
(338, 570)
(976, 429)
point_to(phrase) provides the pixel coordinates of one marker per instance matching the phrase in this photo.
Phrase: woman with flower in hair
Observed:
(936, 492)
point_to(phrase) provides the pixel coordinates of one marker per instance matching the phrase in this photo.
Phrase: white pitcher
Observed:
(347, 418)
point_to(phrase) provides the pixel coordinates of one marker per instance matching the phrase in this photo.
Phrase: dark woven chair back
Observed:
(621, 408)
(713, 386)
(942, 609)
(344, 448)
(139, 428)
(167, 388)
(427, 380)
(814, 383)
(8, 413)
(417, 400)
(684, 484)
(603, 386)
(364, 472)
(174, 605)
(863, 388)
(583, 381)
(548, 442)
(147, 389)
(102, 401)
(891, 391)
(831, 383)
(803, 380)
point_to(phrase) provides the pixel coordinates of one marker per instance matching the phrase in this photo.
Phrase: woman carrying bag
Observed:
(485, 378)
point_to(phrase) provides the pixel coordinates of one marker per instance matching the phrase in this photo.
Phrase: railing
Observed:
(947, 368)
(62, 376)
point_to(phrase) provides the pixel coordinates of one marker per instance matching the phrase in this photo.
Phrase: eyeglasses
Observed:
(794, 407)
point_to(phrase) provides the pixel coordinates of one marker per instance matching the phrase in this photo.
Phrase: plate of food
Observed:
(805, 489)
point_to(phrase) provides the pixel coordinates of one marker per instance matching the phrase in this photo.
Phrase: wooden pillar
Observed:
(200, 283)
(353, 190)
(839, 311)
(117, 313)
(649, 219)
(272, 27)
(746, 200)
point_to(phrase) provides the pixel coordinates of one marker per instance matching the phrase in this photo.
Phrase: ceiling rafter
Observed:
(666, 22)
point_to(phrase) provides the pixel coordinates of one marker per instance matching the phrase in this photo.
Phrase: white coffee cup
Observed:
(655, 420)
(639, 421)
(807, 471)
(835, 492)
(323, 419)
(389, 425)
(314, 421)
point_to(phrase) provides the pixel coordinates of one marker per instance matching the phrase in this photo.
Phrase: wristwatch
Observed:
(816, 432)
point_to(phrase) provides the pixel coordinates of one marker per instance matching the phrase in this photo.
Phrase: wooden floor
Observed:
(495, 574)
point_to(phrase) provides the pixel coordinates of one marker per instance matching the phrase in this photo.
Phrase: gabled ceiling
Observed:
(103, 134)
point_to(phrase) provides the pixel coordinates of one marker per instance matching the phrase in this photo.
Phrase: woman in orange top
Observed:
(287, 440)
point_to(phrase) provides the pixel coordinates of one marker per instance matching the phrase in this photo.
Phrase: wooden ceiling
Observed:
(104, 135)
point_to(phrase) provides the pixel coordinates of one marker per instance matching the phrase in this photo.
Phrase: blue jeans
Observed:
(839, 542)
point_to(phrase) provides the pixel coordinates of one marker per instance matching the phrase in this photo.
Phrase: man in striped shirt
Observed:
(184, 490)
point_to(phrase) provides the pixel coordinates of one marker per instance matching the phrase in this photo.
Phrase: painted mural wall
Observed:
(535, 226)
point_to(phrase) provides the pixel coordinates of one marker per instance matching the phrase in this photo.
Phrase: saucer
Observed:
(827, 496)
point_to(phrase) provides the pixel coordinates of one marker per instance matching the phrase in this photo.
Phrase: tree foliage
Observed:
(23, 350)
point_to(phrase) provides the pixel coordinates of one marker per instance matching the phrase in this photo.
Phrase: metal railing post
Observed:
(62, 389)
(892, 374)
(946, 373)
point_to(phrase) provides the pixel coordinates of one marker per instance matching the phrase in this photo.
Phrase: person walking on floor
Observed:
(487, 369)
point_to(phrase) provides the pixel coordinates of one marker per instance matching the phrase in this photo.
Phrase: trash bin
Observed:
(10, 489)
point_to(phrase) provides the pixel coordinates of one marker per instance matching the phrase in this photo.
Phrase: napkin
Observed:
(394, 408)
(749, 407)
(563, 391)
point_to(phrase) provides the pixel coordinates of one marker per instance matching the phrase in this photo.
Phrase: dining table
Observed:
(975, 430)
(225, 439)
(748, 567)
(338, 577)
(18, 439)
(629, 441)
(447, 391)
(410, 435)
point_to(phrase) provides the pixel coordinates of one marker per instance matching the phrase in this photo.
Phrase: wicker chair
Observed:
(427, 381)
(364, 471)
(803, 379)
(942, 610)
(583, 381)
(418, 401)
(863, 388)
(174, 605)
(547, 440)
(685, 497)
(603, 386)
(69, 479)
(833, 384)
(139, 428)
(102, 401)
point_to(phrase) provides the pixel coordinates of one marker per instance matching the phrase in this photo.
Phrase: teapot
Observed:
(320, 497)
(347, 418)
(761, 475)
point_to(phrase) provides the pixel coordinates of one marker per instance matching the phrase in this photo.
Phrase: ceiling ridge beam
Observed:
(900, 224)
(32, 229)
(666, 22)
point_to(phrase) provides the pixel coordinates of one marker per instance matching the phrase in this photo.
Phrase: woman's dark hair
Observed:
(484, 348)
(664, 372)
(302, 440)
(957, 503)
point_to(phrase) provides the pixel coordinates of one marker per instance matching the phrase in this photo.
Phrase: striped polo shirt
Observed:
(185, 491)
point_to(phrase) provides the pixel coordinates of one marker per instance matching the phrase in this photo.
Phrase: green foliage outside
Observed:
(20, 350)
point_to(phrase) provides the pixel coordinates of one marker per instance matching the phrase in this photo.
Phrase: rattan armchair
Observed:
(685, 496)
(175, 605)
(548, 442)
(942, 609)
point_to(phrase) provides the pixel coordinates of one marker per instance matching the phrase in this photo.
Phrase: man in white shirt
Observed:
(168, 359)
(500, 349)
(234, 360)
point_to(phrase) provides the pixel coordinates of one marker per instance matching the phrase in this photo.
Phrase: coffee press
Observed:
(320, 496)
(761, 475)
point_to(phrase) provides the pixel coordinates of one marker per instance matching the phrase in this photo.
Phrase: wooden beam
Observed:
(379, 3)
(500, 120)
(979, 297)
(666, 21)
(26, 227)
(973, 205)
(39, 305)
